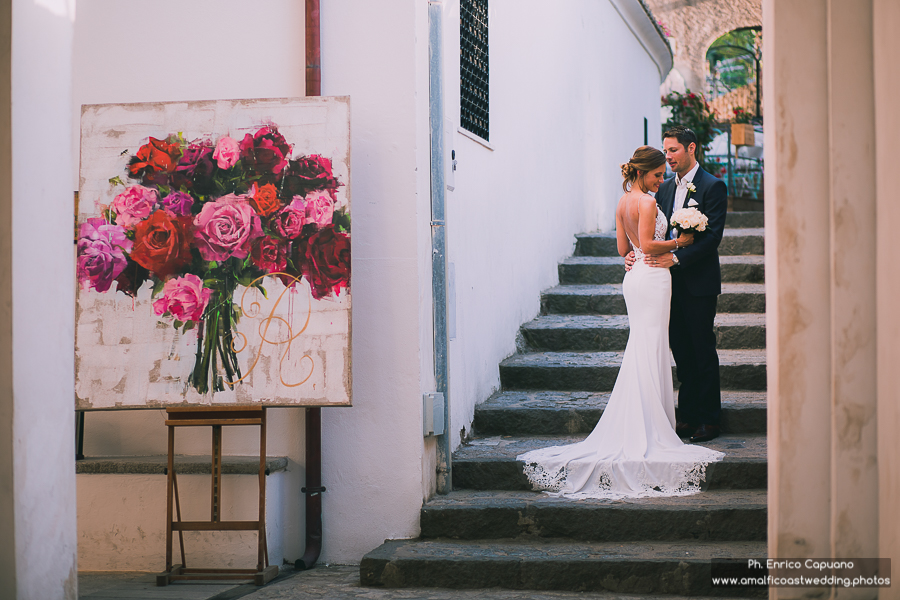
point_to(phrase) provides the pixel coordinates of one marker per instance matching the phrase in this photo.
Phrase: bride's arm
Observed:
(622, 243)
(647, 227)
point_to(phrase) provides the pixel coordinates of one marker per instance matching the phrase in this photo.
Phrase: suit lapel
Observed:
(667, 201)
(699, 182)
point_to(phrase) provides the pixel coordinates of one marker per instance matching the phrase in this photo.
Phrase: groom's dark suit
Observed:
(696, 284)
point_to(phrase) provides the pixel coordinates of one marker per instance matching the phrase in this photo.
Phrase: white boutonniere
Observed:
(691, 188)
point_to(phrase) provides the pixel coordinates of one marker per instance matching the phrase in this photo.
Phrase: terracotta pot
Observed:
(742, 134)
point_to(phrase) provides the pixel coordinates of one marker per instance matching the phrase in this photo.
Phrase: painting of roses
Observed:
(213, 254)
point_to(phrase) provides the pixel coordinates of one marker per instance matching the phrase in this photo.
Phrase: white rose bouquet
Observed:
(689, 220)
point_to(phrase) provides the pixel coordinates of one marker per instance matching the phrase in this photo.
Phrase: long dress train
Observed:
(634, 450)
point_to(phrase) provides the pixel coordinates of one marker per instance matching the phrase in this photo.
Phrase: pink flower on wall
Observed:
(225, 228)
(319, 208)
(184, 298)
(101, 253)
(133, 205)
(178, 204)
(290, 221)
(227, 152)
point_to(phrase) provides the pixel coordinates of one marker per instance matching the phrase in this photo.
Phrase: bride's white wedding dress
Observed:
(633, 451)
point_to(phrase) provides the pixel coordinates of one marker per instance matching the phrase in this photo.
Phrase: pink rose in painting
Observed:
(101, 253)
(227, 153)
(134, 205)
(178, 204)
(184, 297)
(319, 208)
(290, 220)
(226, 228)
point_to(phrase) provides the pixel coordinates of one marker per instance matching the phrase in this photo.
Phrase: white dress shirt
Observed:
(681, 192)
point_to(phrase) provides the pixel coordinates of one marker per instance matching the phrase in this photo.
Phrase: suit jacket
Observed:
(698, 266)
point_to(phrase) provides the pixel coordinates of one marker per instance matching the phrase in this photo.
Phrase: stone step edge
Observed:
(714, 515)
(184, 465)
(672, 568)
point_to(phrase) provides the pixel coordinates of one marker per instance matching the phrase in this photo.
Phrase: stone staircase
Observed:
(492, 531)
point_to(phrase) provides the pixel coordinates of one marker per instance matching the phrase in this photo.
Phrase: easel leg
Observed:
(170, 488)
(262, 556)
(215, 508)
(178, 515)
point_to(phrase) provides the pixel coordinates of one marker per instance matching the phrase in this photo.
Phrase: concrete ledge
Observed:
(184, 465)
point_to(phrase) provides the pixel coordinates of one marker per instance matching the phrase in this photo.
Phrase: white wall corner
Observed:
(643, 25)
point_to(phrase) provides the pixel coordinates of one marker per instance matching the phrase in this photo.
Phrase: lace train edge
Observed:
(688, 477)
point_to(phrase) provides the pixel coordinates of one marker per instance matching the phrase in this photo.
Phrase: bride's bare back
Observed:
(636, 223)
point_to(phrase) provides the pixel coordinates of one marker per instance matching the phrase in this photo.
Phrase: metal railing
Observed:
(742, 167)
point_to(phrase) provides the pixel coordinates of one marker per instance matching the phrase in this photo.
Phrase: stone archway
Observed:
(694, 25)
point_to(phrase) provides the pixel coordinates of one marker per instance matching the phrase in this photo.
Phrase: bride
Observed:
(633, 451)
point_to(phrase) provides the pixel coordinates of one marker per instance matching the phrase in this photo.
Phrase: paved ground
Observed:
(321, 583)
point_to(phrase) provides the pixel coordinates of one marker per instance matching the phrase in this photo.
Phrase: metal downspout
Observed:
(439, 235)
(313, 489)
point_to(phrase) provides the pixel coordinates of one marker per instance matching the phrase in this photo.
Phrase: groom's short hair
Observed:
(684, 135)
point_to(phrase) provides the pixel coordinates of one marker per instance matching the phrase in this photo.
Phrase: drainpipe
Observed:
(313, 489)
(439, 236)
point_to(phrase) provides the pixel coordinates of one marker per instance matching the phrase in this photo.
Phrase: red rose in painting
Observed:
(265, 153)
(156, 156)
(265, 200)
(307, 174)
(162, 243)
(269, 254)
(326, 262)
(195, 169)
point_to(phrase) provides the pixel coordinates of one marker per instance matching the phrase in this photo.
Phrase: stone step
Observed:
(490, 463)
(643, 568)
(597, 371)
(611, 269)
(588, 333)
(607, 299)
(722, 515)
(734, 242)
(551, 413)
(743, 219)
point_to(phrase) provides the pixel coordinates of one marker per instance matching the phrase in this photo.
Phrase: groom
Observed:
(696, 285)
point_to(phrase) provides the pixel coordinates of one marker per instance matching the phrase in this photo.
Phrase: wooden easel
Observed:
(215, 417)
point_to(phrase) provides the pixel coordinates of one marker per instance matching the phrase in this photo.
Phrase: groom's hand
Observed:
(663, 261)
(629, 260)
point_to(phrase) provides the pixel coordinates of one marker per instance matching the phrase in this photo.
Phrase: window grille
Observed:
(473, 67)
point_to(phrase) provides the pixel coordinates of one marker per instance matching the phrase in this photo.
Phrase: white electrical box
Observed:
(433, 413)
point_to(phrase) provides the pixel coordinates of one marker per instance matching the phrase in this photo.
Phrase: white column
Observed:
(886, 19)
(37, 475)
(798, 277)
(832, 281)
(851, 126)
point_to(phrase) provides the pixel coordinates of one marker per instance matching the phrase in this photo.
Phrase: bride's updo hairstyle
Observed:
(645, 159)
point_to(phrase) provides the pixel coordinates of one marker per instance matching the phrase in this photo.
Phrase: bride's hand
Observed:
(685, 239)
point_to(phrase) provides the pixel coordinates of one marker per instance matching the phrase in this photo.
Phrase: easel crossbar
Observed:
(207, 422)
(215, 526)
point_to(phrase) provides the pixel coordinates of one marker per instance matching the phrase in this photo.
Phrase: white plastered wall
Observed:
(570, 86)
(37, 474)
(373, 453)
